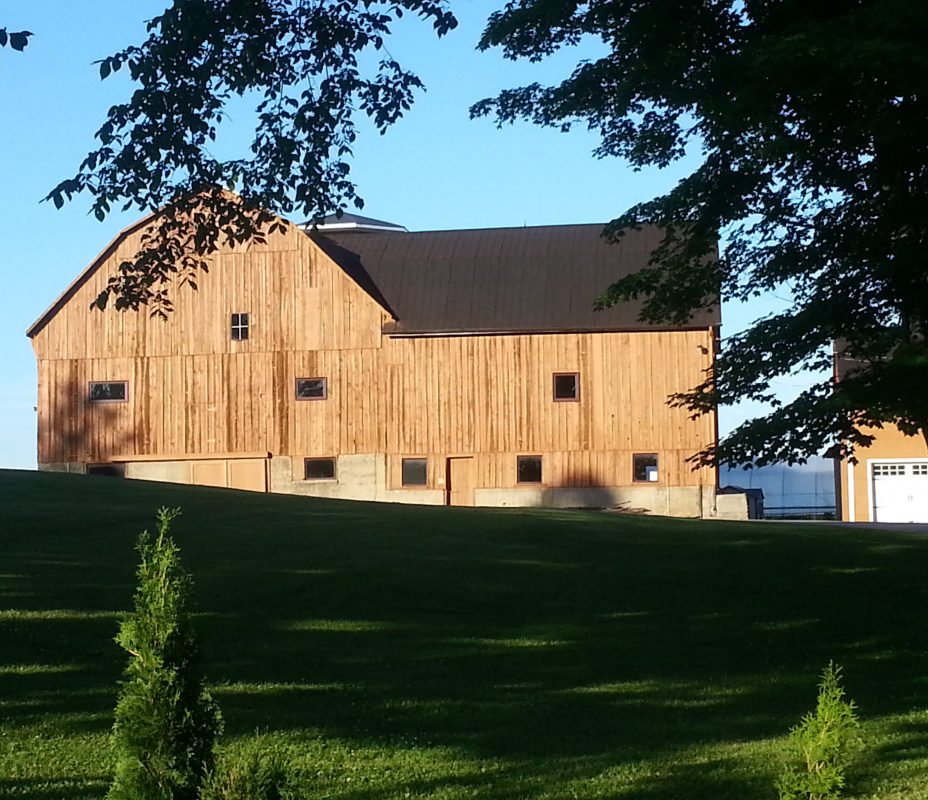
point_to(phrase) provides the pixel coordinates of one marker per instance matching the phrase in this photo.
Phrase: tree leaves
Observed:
(17, 40)
(810, 119)
(311, 70)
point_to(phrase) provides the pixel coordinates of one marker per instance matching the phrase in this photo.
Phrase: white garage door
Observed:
(900, 491)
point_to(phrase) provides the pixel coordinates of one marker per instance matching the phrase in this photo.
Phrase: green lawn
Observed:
(454, 653)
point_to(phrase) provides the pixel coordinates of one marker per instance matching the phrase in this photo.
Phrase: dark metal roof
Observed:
(500, 279)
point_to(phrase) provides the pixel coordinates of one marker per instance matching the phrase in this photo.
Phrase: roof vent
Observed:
(353, 223)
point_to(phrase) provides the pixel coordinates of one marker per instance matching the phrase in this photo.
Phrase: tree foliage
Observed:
(309, 67)
(17, 40)
(166, 721)
(809, 116)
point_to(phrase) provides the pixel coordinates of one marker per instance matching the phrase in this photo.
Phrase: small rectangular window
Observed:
(644, 468)
(319, 469)
(239, 327)
(107, 470)
(415, 471)
(566, 386)
(528, 469)
(311, 389)
(109, 391)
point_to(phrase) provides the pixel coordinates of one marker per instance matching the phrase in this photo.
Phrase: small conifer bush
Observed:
(822, 745)
(166, 722)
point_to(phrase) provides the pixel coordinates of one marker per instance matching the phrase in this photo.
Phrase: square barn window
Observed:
(644, 468)
(311, 389)
(239, 327)
(415, 471)
(528, 469)
(319, 469)
(566, 386)
(109, 391)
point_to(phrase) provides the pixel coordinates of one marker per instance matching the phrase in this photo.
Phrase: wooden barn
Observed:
(358, 360)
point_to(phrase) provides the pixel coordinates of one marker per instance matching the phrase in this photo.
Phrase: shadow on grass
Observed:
(558, 646)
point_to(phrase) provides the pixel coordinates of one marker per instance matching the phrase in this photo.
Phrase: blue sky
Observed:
(435, 169)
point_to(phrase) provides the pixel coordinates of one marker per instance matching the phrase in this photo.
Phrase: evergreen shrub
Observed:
(822, 745)
(166, 721)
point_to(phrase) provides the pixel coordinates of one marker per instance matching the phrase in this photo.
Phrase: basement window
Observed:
(239, 327)
(109, 391)
(415, 471)
(566, 386)
(107, 470)
(644, 468)
(528, 469)
(311, 389)
(319, 469)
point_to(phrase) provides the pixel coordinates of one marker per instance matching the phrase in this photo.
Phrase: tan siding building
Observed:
(889, 482)
(442, 367)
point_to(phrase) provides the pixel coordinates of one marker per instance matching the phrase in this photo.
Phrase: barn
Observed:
(359, 360)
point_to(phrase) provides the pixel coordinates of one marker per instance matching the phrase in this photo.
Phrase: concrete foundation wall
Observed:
(676, 501)
(363, 477)
(73, 467)
(357, 477)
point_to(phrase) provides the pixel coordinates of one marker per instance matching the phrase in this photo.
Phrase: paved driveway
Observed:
(895, 527)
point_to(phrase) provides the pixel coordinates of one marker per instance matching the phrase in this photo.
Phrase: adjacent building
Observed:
(888, 481)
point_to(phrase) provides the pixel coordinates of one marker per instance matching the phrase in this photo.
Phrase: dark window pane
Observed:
(319, 469)
(645, 468)
(101, 392)
(311, 389)
(107, 470)
(567, 386)
(529, 469)
(415, 471)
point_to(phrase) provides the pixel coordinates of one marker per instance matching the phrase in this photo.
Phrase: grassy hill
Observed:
(459, 653)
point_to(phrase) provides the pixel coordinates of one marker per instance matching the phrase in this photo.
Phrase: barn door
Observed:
(460, 482)
(234, 473)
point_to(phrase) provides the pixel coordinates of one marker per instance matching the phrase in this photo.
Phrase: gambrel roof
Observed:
(501, 280)
(497, 280)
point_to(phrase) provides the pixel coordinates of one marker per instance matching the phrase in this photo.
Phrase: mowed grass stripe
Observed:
(460, 653)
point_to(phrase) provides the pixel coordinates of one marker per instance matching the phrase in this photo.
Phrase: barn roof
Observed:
(501, 279)
(496, 280)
